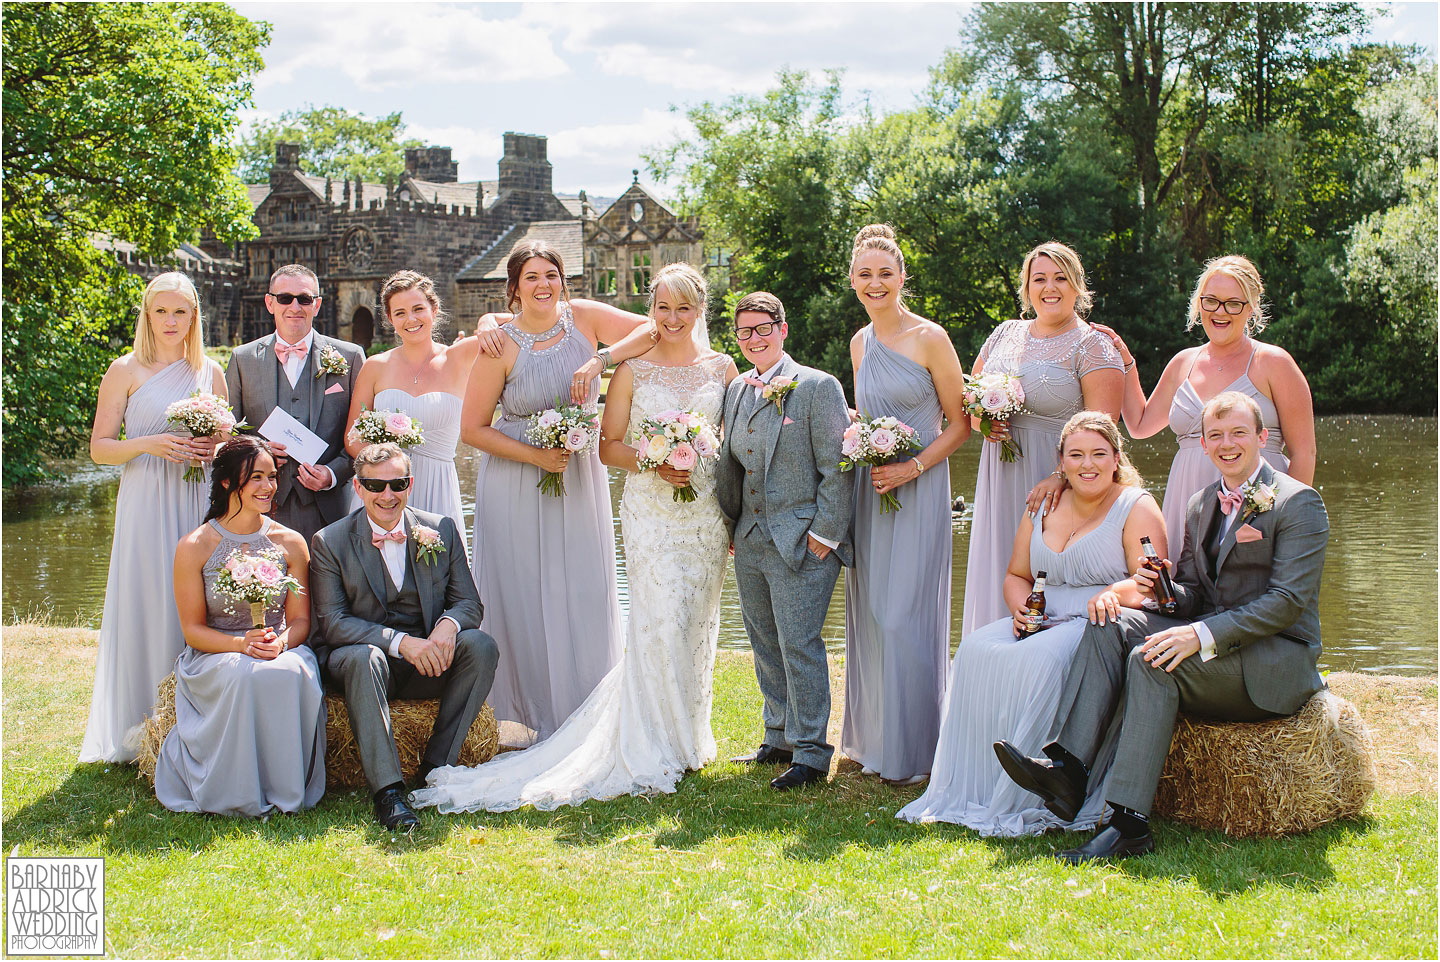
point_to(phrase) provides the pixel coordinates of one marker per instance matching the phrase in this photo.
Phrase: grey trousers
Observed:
(784, 611)
(369, 678)
(1110, 675)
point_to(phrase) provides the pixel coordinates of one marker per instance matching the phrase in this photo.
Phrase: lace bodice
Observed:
(1049, 368)
(698, 387)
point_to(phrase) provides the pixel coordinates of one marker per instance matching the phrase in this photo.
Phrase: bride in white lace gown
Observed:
(648, 721)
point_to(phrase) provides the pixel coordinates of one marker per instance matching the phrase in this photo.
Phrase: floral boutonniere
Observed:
(776, 391)
(331, 362)
(428, 544)
(1259, 498)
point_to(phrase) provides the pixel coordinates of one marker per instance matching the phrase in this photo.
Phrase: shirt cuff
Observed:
(395, 645)
(1207, 641)
(452, 621)
(332, 478)
(832, 545)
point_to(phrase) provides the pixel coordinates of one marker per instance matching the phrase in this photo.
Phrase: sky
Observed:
(602, 80)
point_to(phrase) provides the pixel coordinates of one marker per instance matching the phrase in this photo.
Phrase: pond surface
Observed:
(1378, 601)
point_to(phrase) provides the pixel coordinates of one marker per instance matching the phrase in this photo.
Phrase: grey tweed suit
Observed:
(1260, 600)
(257, 385)
(778, 480)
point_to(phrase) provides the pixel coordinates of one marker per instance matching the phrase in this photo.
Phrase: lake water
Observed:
(1378, 601)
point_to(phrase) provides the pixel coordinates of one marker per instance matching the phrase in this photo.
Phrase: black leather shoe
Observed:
(766, 755)
(1108, 843)
(796, 775)
(422, 773)
(392, 809)
(1060, 782)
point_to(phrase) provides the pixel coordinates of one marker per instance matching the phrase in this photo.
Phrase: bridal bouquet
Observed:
(202, 414)
(388, 427)
(680, 439)
(257, 579)
(876, 441)
(991, 398)
(567, 426)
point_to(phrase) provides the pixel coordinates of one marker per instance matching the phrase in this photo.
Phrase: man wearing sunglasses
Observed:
(310, 376)
(398, 616)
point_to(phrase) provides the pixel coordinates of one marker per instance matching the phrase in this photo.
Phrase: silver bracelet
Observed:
(604, 355)
(1129, 367)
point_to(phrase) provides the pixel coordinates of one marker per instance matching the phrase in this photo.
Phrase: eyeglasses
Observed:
(764, 330)
(376, 485)
(1208, 303)
(305, 299)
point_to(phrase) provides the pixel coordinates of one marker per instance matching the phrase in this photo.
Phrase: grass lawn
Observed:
(725, 867)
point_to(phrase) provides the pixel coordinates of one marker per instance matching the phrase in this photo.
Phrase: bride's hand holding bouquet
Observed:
(672, 443)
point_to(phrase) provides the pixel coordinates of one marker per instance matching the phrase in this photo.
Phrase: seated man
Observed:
(398, 617)
(1248, 589)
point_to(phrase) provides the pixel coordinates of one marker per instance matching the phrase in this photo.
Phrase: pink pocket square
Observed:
(1245, 534)
(335, 389)
(788, 420)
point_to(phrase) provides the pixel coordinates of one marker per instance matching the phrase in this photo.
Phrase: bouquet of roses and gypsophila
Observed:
(680, 439)
(567, 426)
(991, 398)
(388, 427)
(202, 414)
(255, 578)
(876, 441)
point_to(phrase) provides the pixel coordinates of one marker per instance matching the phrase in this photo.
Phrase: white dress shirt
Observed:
(1207, 640)
(292, 367)
(765, 379)
(393, 554)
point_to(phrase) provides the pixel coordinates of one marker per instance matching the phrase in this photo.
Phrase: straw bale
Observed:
(1270, 778)
(411, 722)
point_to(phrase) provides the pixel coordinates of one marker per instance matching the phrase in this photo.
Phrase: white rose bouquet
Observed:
(995, 397)
(680, 439)
(567, 426)
(388, 427)
(876, 441)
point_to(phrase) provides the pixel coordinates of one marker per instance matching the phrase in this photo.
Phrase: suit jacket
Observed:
(805, 490)
(348, 577)
(1262, 605)
(252, 377)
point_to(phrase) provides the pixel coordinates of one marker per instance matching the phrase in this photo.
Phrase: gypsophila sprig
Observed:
(331, 361)
(388, 427)
(428, 543)
(256, 578)
(995, 397)
(567, 426)
(876, 441)
(680, 439)
(202, 414)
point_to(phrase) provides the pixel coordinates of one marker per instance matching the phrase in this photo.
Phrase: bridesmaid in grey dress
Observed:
(155, 507)
(249, 733)
(1006, 687)
(544, 566)
(897, 596)
(1064, 365)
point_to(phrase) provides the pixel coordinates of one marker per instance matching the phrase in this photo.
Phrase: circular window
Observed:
(637, 211)
(359, 247)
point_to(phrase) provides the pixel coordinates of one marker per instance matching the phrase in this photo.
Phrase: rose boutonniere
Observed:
(331, 362)
(1259, 498)
(428, 544)
(776, 391)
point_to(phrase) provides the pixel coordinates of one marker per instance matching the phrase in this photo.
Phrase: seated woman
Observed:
(249, 734)
(1007, 685)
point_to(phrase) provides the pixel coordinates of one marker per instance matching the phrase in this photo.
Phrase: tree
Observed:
(335, 143)
(117, 122)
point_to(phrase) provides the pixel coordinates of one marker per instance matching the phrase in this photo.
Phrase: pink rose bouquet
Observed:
(681, 439)
(876, 441)
(388, 427)
(567, 426)
(202, 414)
(257, 579)
(995, 397)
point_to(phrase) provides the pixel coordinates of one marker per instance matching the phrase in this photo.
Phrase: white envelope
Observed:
(301, 443)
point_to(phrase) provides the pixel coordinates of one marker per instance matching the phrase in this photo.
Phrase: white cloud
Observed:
(476, 149)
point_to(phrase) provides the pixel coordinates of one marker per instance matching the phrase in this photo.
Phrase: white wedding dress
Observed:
(648, 721)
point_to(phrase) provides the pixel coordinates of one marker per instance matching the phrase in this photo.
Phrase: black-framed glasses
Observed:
(376, 485)
(1208, 303)
(764, 330)
(305, 299)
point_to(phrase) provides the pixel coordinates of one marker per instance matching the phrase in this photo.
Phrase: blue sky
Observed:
(599, 79)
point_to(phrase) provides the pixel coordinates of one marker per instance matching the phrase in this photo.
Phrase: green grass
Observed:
(219, 353)
(724, 867)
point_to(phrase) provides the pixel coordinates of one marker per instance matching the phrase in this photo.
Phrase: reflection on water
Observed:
(1378, 601)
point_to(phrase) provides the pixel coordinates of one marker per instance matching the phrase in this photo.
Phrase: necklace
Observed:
(1083, 522)
(1069, 326)
(1210, 353)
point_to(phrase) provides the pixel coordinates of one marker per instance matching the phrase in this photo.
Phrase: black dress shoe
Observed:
(392, 809)
(1108, 843)
(422, 773)
(796, 775)
(1060, 782)
(766, 755)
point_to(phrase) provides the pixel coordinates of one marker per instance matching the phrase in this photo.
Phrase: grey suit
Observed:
(359, 612)
(257, 385)
(779, 479)
(1259, 600)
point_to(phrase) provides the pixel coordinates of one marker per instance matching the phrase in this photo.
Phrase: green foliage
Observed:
(117, 119)
(334, 143)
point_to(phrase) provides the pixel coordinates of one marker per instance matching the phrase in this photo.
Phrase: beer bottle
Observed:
(1035, 606)
(1165, 589)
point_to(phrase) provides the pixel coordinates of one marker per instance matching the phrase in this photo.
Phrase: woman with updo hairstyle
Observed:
(154, 508)
(897, 595)
(1227, 304)
(249, 732)
(424, 378)
(1005, 684)
(1064, 366)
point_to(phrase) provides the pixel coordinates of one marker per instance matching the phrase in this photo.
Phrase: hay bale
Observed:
(411, 722)
(1270, 778)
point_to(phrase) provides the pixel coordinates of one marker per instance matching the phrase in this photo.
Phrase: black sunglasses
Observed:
(305, 299)
(376, 485)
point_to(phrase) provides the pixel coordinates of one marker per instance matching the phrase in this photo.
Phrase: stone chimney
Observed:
(523, 166)
(432, 164)
(287, 161)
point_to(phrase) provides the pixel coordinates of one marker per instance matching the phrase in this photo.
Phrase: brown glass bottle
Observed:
(1035, 606)
(1164, 588)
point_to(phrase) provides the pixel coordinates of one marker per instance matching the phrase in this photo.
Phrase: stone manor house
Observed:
(355, 234)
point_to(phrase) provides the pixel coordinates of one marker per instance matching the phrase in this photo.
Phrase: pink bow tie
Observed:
(752, 379)
(286, 351)
(1229, 500)
(378, 540)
